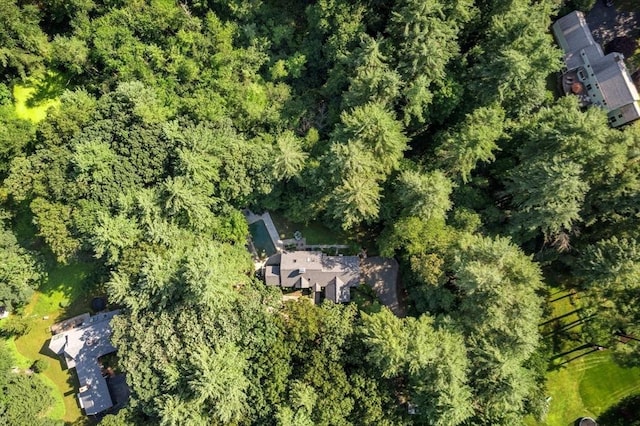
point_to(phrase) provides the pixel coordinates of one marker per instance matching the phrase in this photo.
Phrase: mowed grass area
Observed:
(33, 97)
(313, 232)
(583, 380)
(588, 386)
(69, 286)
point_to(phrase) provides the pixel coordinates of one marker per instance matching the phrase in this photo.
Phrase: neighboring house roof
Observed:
(572, 32)
(602, 80)
(81, 347)
(315, 270)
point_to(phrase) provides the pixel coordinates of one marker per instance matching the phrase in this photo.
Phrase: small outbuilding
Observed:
(99, 304)
(587, 421)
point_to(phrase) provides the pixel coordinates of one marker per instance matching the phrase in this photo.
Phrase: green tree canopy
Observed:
(20, 271)
(23, 45)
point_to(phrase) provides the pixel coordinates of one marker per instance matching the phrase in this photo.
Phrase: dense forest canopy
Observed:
(429, 128)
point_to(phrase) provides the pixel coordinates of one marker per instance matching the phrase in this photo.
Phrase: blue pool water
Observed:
(261, 239)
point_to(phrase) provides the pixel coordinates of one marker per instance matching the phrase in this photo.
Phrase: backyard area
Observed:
(65, 294)
(582, 381)
(313, 232)
(271, 232)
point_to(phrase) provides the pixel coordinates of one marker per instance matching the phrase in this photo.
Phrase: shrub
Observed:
(40, 365)
(584, 5)
(624, 44)
(16, 326)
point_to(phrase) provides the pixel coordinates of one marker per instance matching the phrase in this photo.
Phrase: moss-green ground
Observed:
(583, 381)
(66, 285)
(37, 94)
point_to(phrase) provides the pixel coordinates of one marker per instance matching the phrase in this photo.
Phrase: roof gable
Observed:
(82, 346)
(572, 32)
(308, 269)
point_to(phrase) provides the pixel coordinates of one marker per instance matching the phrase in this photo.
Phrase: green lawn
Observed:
(588, 386)
(37, 94)
(66, 285)
(313, 232)
(583, 381)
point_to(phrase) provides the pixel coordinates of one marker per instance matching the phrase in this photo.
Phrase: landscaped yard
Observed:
(584, 380)
(313, 232)
(67, 286)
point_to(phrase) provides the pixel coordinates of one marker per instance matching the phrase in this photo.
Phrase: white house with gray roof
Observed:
(81, 346)
(595, 78)
(333, 275)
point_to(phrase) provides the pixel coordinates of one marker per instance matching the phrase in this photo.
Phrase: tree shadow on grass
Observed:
(560, 337)
(50, 86)
(579, 348)
(625, 413)
(575, 311)
(560, 297)
(563, 363)
(564, 328)
(71, 287)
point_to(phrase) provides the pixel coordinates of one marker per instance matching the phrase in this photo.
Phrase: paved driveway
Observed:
(607, 23)
(381, 274)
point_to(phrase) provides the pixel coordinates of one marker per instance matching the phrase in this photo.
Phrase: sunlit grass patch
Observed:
(583, 380)
(587, 387)
(37, 94)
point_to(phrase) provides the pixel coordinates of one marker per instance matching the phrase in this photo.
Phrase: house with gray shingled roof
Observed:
(595, 78)
(81, 346)
(331, 275)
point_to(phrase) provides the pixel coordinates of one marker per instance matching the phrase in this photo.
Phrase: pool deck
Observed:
(279, 244)
(271, 228)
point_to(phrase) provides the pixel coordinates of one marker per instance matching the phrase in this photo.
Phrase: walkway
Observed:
(279, 244)
(381, 274)
(302, 245)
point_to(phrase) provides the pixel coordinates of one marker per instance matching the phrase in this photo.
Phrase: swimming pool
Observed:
(261, 239)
